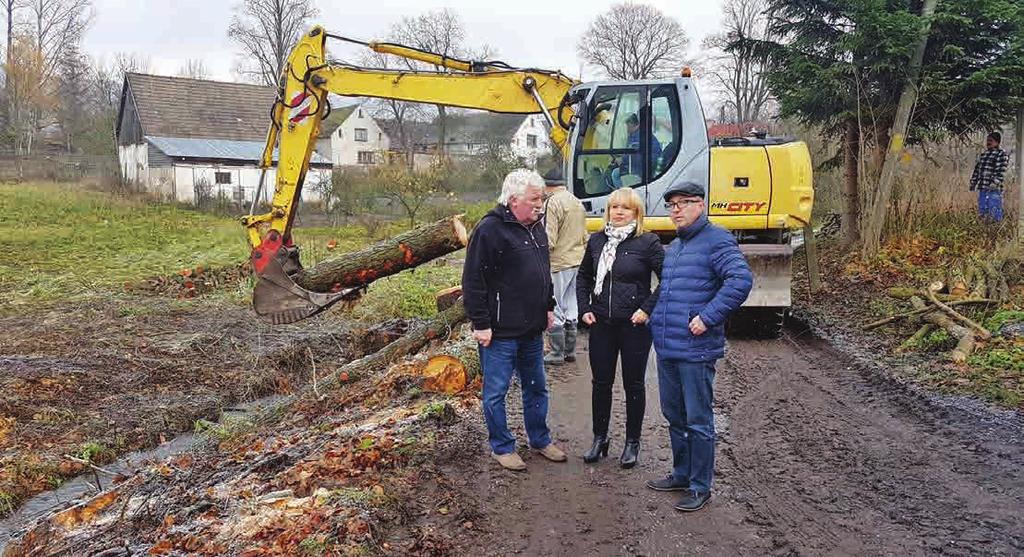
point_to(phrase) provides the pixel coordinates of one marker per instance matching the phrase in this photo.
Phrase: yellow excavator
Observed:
(645, 135)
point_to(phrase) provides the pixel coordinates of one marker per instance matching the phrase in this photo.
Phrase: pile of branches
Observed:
(971, 284)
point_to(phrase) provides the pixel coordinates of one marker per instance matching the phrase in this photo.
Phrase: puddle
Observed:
(83, 486)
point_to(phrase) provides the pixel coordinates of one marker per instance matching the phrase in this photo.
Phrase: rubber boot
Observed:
(570, 341)
(556, 336)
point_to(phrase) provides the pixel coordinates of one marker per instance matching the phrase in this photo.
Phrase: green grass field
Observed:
(59, 243)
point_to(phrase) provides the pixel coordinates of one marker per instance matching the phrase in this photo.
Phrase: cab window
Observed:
(628, 140)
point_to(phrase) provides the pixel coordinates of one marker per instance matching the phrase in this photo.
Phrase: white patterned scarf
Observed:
(615, 234)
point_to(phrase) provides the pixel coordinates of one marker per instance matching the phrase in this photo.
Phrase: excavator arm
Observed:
(308, 77)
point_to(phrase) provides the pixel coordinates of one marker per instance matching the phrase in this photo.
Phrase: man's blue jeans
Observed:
(990, 204)
(687, 396)
(499, 361)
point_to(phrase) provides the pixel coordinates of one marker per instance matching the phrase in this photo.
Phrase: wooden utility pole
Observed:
(897, 138)
(1020, 176)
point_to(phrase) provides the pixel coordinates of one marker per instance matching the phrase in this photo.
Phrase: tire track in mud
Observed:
(816, 455)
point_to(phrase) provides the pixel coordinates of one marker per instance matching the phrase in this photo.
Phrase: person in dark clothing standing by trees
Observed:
(506, 288)
(613, 292)
(987, 178)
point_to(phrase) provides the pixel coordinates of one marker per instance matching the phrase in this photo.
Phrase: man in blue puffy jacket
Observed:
(703, 280)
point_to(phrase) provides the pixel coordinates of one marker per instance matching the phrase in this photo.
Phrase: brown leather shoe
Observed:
(510, 461)
(553, 453)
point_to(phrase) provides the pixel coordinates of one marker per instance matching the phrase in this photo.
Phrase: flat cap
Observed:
(689, 189)
(554, 177)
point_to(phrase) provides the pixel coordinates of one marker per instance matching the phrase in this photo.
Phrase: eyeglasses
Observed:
(671, 205)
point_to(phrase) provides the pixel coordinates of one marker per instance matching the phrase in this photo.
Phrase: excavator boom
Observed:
(302, 104)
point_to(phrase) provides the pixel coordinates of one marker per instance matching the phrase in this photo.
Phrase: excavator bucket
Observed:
(278, 299)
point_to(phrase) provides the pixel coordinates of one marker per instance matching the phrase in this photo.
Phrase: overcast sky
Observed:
(534, 33)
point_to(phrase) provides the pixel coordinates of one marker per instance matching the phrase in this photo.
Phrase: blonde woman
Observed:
(613, 291)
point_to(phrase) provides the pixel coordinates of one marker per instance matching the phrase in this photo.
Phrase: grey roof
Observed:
(184, 107)
(219, 149)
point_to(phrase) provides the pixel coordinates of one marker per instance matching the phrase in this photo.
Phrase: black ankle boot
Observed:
(630, 453)
(597, 450)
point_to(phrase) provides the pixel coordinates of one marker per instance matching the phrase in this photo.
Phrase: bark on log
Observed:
(438, 327)
(964, 347)
(916, 338)
(978, 329)
(452, 367)
(447, 297)
(898, 316)
(386, 257)
(908, 293)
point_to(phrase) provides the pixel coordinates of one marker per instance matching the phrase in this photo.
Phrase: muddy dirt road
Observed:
(816, 456)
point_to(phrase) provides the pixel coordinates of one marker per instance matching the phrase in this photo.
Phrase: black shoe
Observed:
(570, 358)
(668, 483)
(597, 450)
(693, 501)
(630, 453)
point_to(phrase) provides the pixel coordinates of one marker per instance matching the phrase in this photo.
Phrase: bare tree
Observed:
(440, 32)
(634, 41)
(193, 68)
(108, 78)
(732, 68)
(402, 113)
(58, 25)
(266, 31)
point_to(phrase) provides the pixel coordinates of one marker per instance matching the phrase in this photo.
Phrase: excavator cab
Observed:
(649, 135)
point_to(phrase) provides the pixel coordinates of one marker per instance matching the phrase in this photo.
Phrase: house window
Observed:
(531, 141)
(360, 113)
(380, 137)
(360, 134)
(365, 157)
(222, 177)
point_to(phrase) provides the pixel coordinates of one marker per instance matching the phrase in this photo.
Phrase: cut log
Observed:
(907, 293)
(453, 367)
(439, 326)
(978, 329)
(916, 338)
(963, 348)
(447, 297)
(898, 316)
(386, 257)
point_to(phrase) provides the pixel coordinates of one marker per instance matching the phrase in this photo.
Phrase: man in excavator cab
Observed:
(632, 163)
(757, 188)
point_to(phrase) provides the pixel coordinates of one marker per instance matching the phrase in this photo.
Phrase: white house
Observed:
(531, 140)
(184, 138)
(353, 138)
(471, 133)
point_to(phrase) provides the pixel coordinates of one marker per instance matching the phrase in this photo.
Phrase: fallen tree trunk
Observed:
(446, 298)
(908, 293)
(959, 317)
(964, 346)
(916, 338)
(386, 257)
(440, 326)
(898, 316)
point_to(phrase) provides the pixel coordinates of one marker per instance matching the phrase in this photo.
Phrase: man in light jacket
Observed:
(566, 224)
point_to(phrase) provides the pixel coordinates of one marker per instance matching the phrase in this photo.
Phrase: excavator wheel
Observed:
(757, 323)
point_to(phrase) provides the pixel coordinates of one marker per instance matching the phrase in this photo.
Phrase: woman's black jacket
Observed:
(627, 287)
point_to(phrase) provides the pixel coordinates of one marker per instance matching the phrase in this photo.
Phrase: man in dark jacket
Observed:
(506, 288)
(703, 280)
